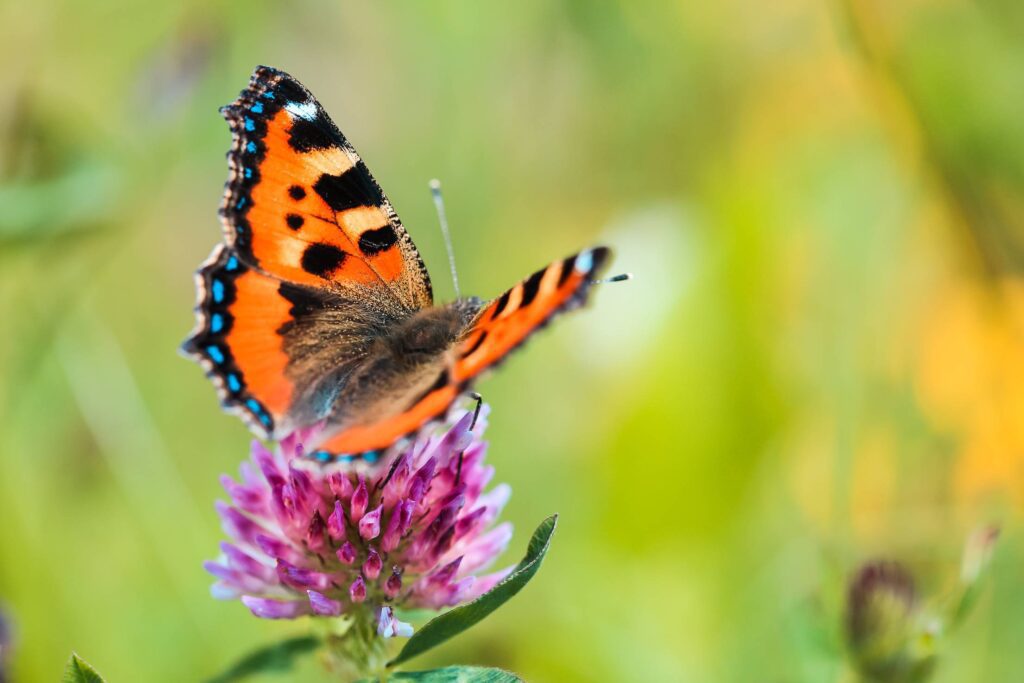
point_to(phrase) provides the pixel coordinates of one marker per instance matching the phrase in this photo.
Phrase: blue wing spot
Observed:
(218, 291)
(322, 456)
(269, 95)
(258, 411)
(215, 354)
(251, 147)
(233, 382)
(585, 261)
(231, 264)
(371, 457)
(249, 125)
(216, 323)
(241, 203)
(257, 108)
(248, 172)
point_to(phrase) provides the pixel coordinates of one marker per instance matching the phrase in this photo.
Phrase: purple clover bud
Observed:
(243, 562)
(250, 499)
(398, 524)
(357, 591)
(323, 605)
(275, 609)
(359, 501)
(336, 522)
(373, 565)
(445, 575)
(392, 535)
(420, 481)
(347, 553)
(394, 584)
(271, 467)
(297, 577)
(275, 549)
(302, 485)
(469, 522)
(394, 489)
(315, 533)
(369, 525)
(340, 485)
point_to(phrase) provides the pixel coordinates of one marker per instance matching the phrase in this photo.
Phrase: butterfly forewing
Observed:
(302, 206)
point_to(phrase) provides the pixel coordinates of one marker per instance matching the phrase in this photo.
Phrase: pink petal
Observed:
(346, 553)
(357, 591)
(275, 609)
(323, 605)
(369, 525)
(336, 522)
(360, 498)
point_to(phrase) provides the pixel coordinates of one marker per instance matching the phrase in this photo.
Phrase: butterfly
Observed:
(318, 310)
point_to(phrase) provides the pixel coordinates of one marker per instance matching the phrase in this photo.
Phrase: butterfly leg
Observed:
(458, 473)
(476, 410)
(391, 473)
(476, 414)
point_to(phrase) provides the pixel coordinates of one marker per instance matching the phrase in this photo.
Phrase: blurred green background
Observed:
(818, 363)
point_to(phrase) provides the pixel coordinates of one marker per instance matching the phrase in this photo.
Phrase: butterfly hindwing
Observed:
(363, 440)
(497, 330)
(239, 312)
(301, 205)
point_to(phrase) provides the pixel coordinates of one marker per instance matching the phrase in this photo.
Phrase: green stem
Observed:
(354, 651)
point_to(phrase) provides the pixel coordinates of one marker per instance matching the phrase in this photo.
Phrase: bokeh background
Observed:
(819, 362)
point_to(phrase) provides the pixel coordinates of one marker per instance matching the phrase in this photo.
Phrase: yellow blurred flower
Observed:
(970, 384)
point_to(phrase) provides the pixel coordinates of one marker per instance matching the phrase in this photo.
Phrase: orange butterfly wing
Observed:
(238, 312)
(515, 315)
(301, 205)
(497, 330)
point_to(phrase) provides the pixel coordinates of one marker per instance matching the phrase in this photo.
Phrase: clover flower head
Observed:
(890, 636)
(413, 531)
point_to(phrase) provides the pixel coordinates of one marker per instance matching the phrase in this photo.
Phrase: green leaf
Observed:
(456, 621)
(80, 671)
(277, 657)
(457, 674)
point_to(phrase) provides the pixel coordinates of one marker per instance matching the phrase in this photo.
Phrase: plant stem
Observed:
(355, 651)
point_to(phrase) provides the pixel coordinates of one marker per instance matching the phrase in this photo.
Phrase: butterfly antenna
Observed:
(435, 190)
(622, 277)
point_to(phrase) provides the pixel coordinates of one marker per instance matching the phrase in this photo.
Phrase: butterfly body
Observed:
(318, 309)
(402, 364)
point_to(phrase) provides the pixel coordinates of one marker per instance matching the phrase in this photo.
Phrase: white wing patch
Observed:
(302, 110)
